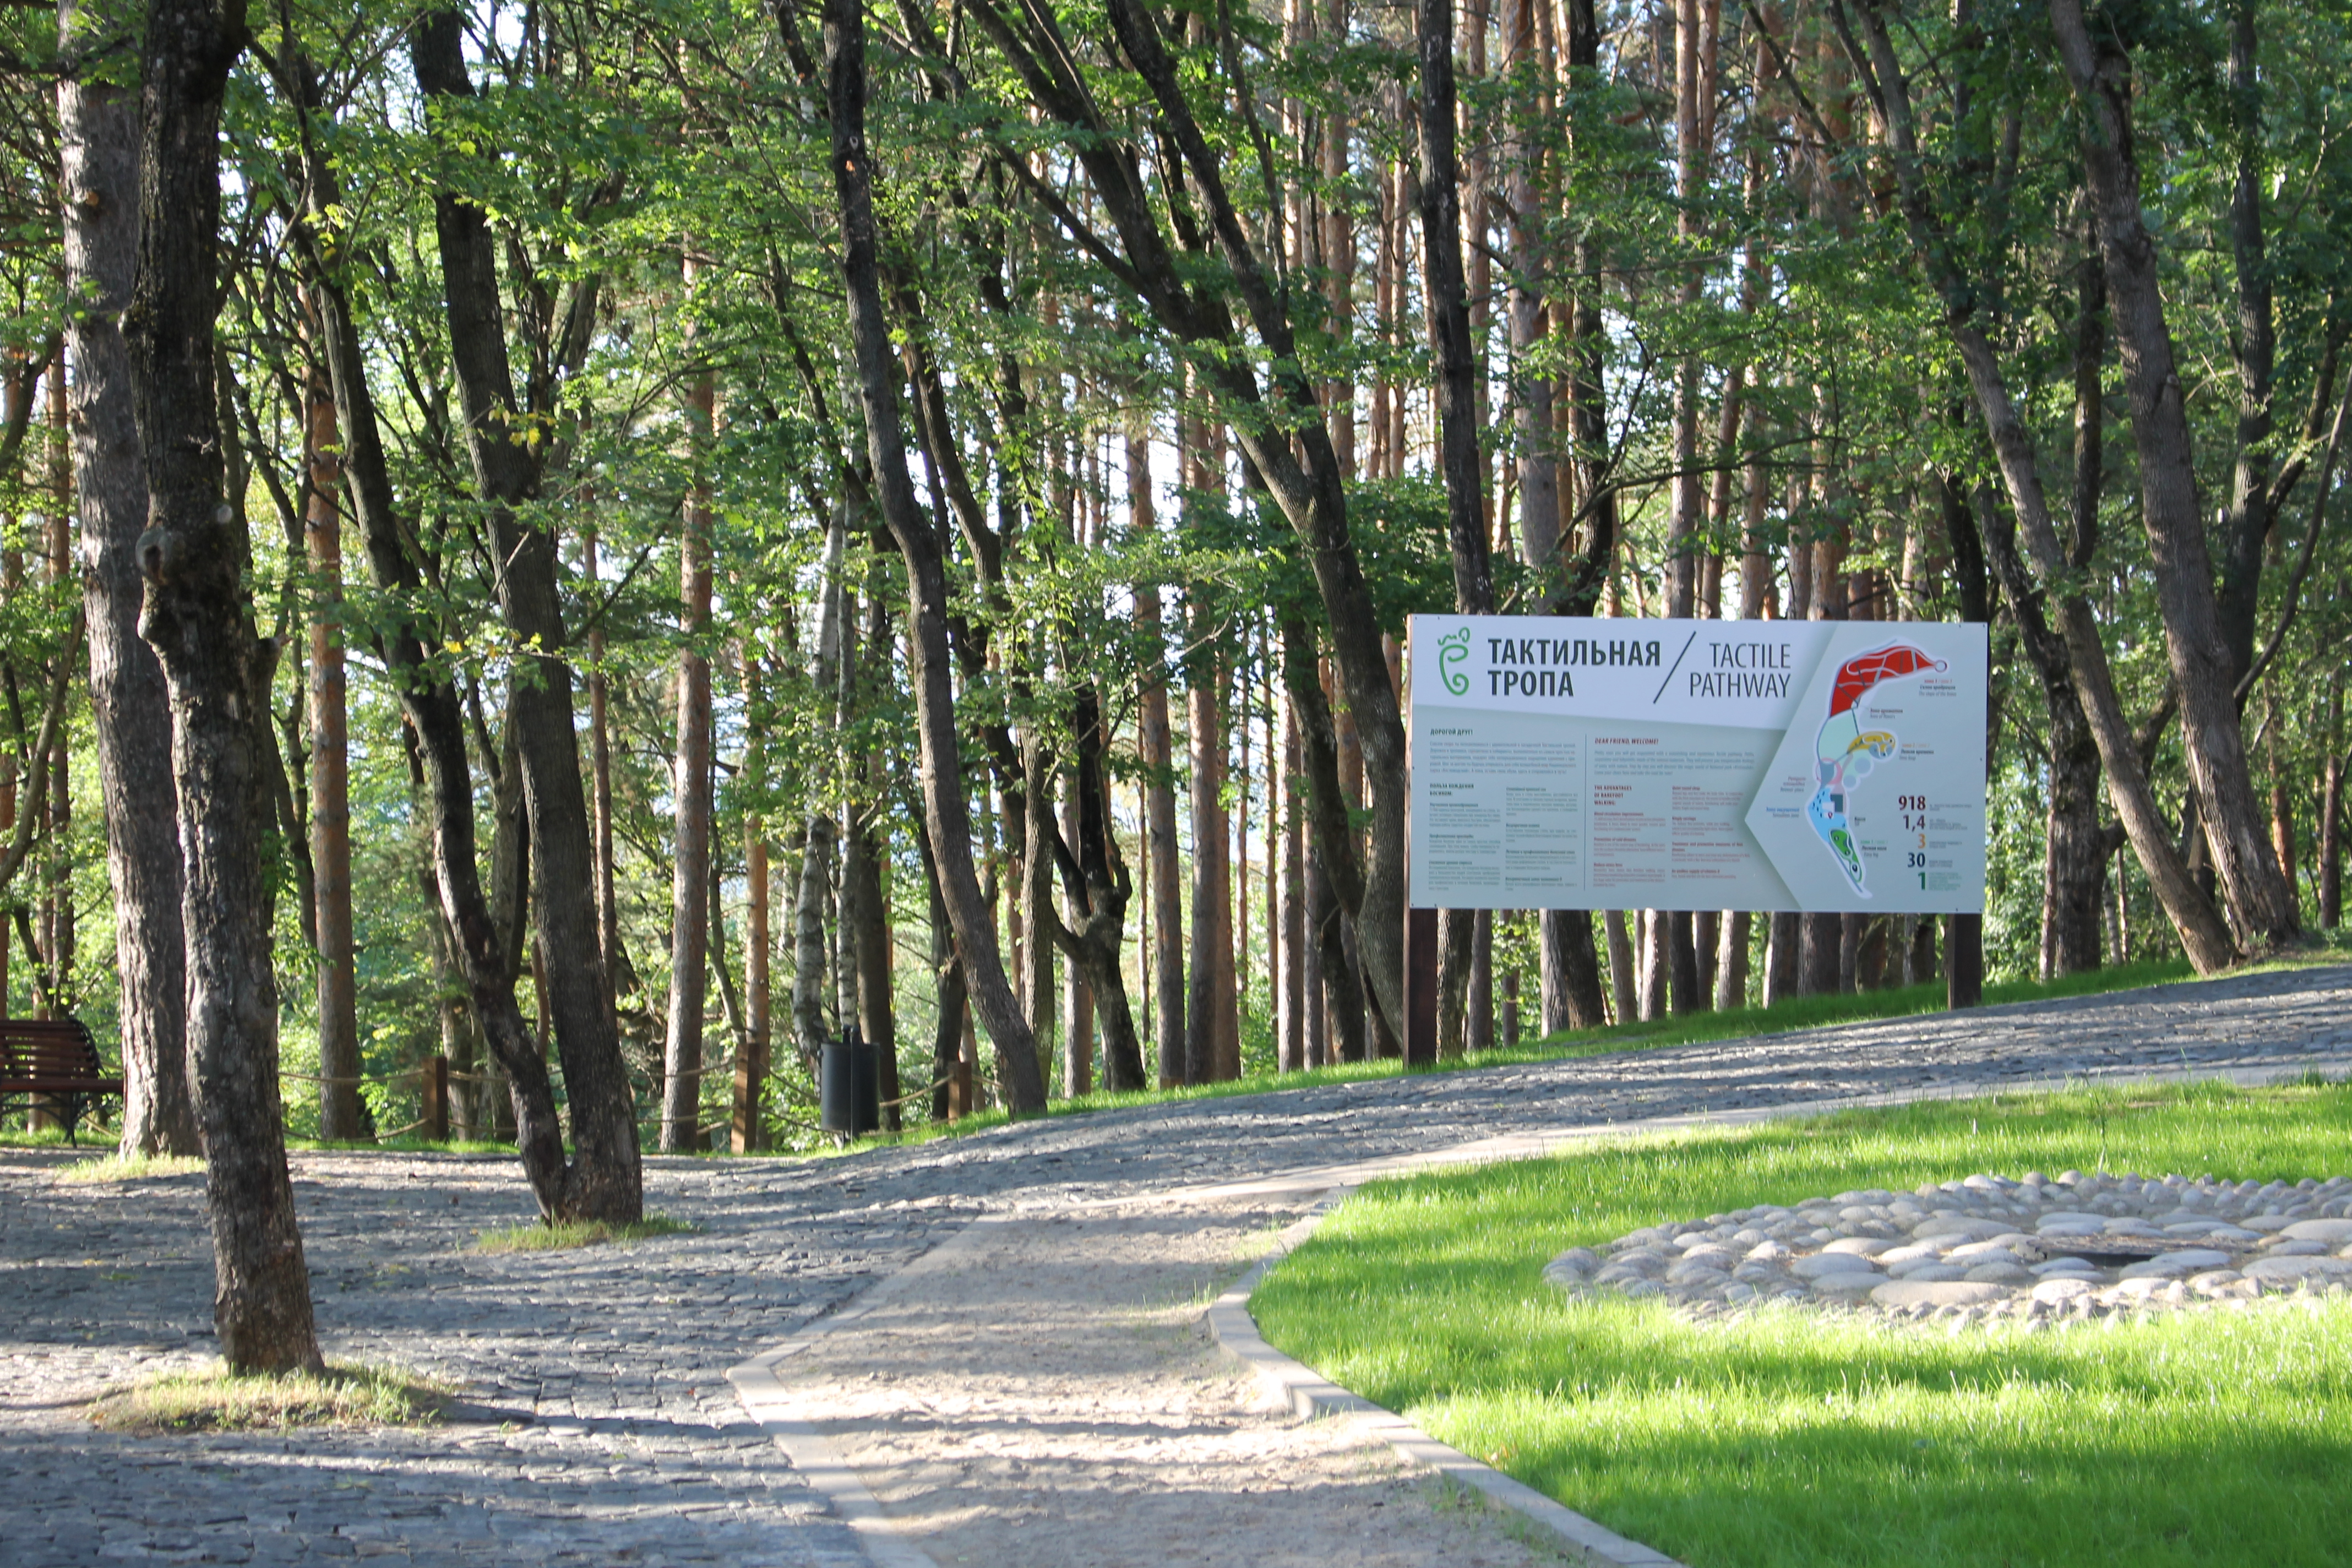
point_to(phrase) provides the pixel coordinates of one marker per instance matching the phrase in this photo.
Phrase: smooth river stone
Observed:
(1935, 1293)
(1696, 1277)
(2053, 1292)
(2177, 1265)
(1978, 1252)
(1928, 1273)
(1972, 1229)
(2282, 1269)
(1848, 1286)
(2334, 1232)
(2269, 1223)
(2070, 1217)
(1861, 1246)
(1821, 1265)
(2132, 1224)
(2002, 1274)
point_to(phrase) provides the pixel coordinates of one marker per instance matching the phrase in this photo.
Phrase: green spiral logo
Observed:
(1452, 650)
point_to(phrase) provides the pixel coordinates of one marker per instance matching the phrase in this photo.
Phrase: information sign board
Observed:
(1683, 764)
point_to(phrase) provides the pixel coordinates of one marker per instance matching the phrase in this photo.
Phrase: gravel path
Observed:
(599, 1426)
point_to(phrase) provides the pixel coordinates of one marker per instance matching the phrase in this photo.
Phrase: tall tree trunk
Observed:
(682, 1044)
(2250, 875)
(1625, 985)
(752, 1056)
(61, 925)
(1290, 980)
(948, 1030)
(1212, 957)
(339, 1113)
(2331, 814)
(1334, 864)
(619, 981)
(818, 841)
(1538, 460)
(1446, 301)
(2281, 803)
(2203, 935)
(2245, 527)
(1568, 971)
(485, 941)
(866, 908)
(606, 1176)
(1094, 880)
(198, 617)
(947, 816)
(1166, 946)
(130, 706)
(1034, 959)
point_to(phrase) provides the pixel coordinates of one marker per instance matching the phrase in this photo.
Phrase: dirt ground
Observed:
(1043, 1389)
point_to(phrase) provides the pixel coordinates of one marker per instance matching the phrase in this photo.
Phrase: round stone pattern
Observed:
(2036, 1249)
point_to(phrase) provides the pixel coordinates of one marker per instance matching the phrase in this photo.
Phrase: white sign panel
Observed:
(1817, 765)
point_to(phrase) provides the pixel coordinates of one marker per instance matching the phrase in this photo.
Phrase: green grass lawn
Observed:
(1788, 1438)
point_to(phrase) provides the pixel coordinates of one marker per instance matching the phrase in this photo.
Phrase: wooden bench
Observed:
(54, 1060)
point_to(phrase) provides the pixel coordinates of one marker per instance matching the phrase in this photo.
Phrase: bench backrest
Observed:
(48, 1049)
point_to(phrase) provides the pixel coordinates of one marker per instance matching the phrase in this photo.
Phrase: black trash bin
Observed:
(849, 1086)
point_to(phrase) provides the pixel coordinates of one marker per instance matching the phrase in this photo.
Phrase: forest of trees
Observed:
(609, 545)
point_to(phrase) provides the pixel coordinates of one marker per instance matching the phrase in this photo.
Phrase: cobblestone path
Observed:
(598, 1426)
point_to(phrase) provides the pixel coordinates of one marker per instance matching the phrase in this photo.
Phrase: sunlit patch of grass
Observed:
(1787, 1436)
(552, 1236)
(219, 1401)
(403, 1145)
(135, 1168)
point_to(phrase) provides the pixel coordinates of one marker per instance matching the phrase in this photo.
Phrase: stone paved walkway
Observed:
(600, 1427)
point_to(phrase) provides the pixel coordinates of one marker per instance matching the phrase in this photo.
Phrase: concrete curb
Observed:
(767, 1400)
(1311, 1396)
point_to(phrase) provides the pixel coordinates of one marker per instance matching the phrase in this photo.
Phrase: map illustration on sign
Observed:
(1847, 752)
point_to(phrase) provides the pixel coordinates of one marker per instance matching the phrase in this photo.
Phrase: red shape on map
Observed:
(1857, 675)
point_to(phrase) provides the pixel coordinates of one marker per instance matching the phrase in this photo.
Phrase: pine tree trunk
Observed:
(198, 617)
(1165, 955)
(1568, 971)
(690, 785)
(130, 706)
(751, 1057)
(339, 1115)
(1291, 976)
(619, 980)
(1624, 984)
(2331, 815)
(1211, 960)
(1731, 960)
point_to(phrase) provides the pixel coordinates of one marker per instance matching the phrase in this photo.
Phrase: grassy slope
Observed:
(1788, 1439)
